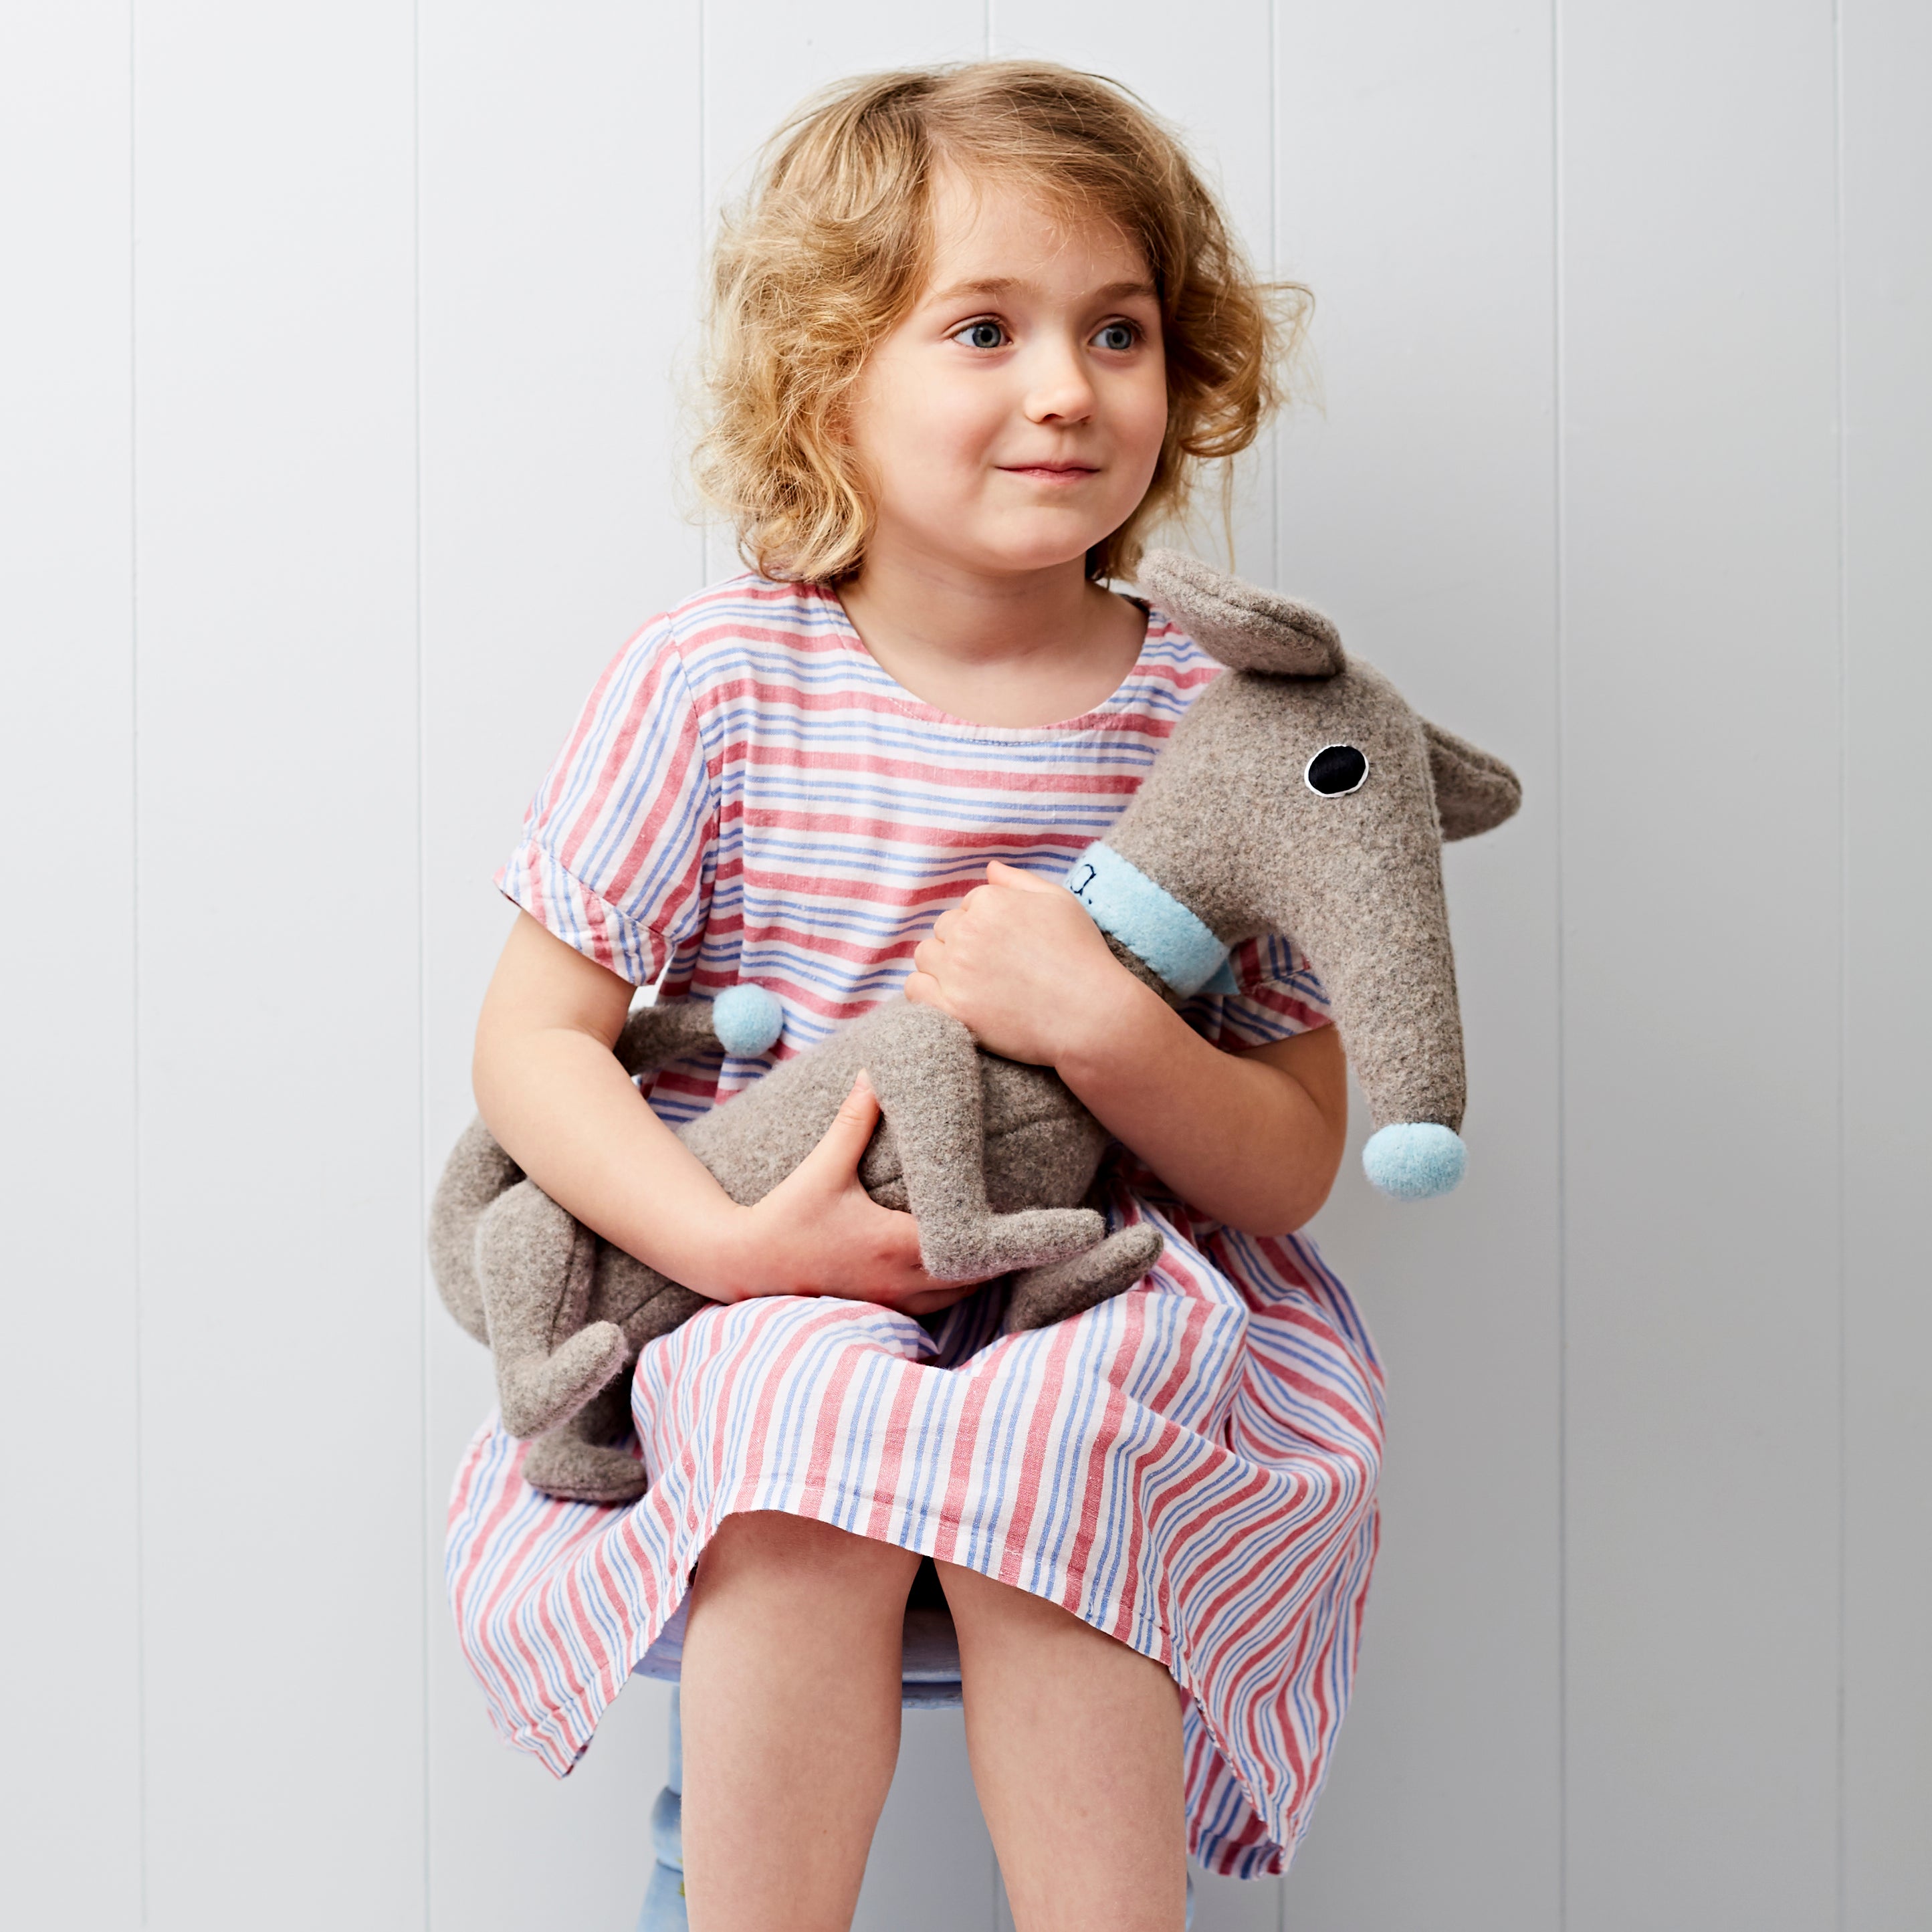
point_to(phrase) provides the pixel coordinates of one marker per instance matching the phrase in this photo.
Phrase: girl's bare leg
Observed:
(1076, 1743)
(791, 1707)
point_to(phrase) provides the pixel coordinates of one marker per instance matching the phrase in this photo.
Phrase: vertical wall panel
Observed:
(559, 221)
(1887, 160)
(1701, 974)
(932, 1865)
(1417, 507)
(1224, 108)
(762, 58)
(217, 539)
(70, 1818)
(275, 528)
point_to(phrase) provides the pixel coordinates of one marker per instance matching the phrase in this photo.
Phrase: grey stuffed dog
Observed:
(1299, 794)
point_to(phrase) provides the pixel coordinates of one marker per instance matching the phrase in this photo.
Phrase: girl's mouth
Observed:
(1051, 472)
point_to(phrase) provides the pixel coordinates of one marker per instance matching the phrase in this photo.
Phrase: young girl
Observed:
(974, 332)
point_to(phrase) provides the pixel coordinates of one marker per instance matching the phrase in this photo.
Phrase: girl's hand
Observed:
(1021, 963)
(819, 1232)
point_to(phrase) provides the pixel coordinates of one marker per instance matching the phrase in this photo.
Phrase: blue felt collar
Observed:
(1149, 922)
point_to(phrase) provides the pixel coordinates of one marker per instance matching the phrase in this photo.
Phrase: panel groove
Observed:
(1703, 851)
(1558, 416)
(1842, 1012)
(138, 932)
(426, 1566)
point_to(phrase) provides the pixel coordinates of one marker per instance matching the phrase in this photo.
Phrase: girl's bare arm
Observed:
(1254, 1139)
(554, 1094)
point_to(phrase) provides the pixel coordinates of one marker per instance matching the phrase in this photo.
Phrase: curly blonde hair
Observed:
(830, 248)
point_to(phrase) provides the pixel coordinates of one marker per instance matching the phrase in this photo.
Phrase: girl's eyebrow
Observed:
(1001, 285)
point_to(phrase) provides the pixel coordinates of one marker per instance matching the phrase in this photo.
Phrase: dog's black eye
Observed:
(1335, 770)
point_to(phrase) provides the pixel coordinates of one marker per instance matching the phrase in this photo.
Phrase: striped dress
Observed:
(1190, 1467)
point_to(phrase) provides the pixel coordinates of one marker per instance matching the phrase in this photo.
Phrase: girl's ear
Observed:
(1474, 792)
(1245, 629)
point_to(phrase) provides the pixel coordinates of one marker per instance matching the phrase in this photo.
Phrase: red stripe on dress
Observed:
(479, 1618)
(924, 771)
(892, 1456)
(768, 1393)
(965, 1442)
(827, 1428)
(1048, 1379)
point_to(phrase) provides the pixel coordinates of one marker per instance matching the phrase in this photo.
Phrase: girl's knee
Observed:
(801, 1551)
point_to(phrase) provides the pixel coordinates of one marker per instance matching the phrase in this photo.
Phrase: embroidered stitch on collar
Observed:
(1151, 922)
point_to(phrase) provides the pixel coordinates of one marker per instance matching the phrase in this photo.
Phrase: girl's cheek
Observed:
(1147, 410)
(963, 413)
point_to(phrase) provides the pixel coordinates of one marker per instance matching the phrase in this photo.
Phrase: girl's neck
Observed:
(1020, 649)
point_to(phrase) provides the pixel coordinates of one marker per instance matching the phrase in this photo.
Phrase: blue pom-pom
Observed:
(1415, 1160)
(747, 1021)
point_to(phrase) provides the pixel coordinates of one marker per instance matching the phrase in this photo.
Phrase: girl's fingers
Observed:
(999, 873)
(842, 1145)
(922, 990)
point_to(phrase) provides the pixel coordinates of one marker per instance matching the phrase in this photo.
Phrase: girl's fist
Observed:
(1021, 965)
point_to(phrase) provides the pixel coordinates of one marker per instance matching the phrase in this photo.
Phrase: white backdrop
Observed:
(339, 355)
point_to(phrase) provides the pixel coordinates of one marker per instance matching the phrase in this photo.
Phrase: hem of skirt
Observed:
(1145, 1633)
(1105, 1618)
(1258, 1857)
(559, 1743)
(1244, 1858)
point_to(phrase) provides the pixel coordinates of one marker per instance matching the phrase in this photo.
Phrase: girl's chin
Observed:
(1032, 561)
(1012, 542)
(1041, 541)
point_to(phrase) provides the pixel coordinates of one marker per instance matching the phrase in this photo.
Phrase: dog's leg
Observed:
(476, 1173)
(583, 1460)
(1043, 1295)
(536, 1264)
(925, 1070)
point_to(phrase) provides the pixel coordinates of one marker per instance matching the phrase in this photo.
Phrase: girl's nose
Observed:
(1060, 390)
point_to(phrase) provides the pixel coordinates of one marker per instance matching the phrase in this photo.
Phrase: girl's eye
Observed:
(981, 335)
(1117, 336)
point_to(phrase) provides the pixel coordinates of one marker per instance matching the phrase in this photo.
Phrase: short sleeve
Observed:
(616, 855)
(1279, 997)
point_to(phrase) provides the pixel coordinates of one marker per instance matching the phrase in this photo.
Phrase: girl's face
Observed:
(1014, 417)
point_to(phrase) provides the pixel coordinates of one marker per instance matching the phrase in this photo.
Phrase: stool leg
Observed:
(664, 1901)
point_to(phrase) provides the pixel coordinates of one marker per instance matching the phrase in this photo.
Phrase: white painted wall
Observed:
(338, 454)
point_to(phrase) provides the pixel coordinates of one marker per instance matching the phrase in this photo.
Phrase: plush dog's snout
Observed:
(1415, 1160)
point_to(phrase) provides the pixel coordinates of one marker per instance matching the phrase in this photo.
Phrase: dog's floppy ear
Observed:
(1474, 792)
(1244, 628)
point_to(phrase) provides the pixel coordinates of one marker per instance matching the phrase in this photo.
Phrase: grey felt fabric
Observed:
(995, 1159)
(1227, 822)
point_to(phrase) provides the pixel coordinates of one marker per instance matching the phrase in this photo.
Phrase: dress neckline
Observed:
(1099, 717)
